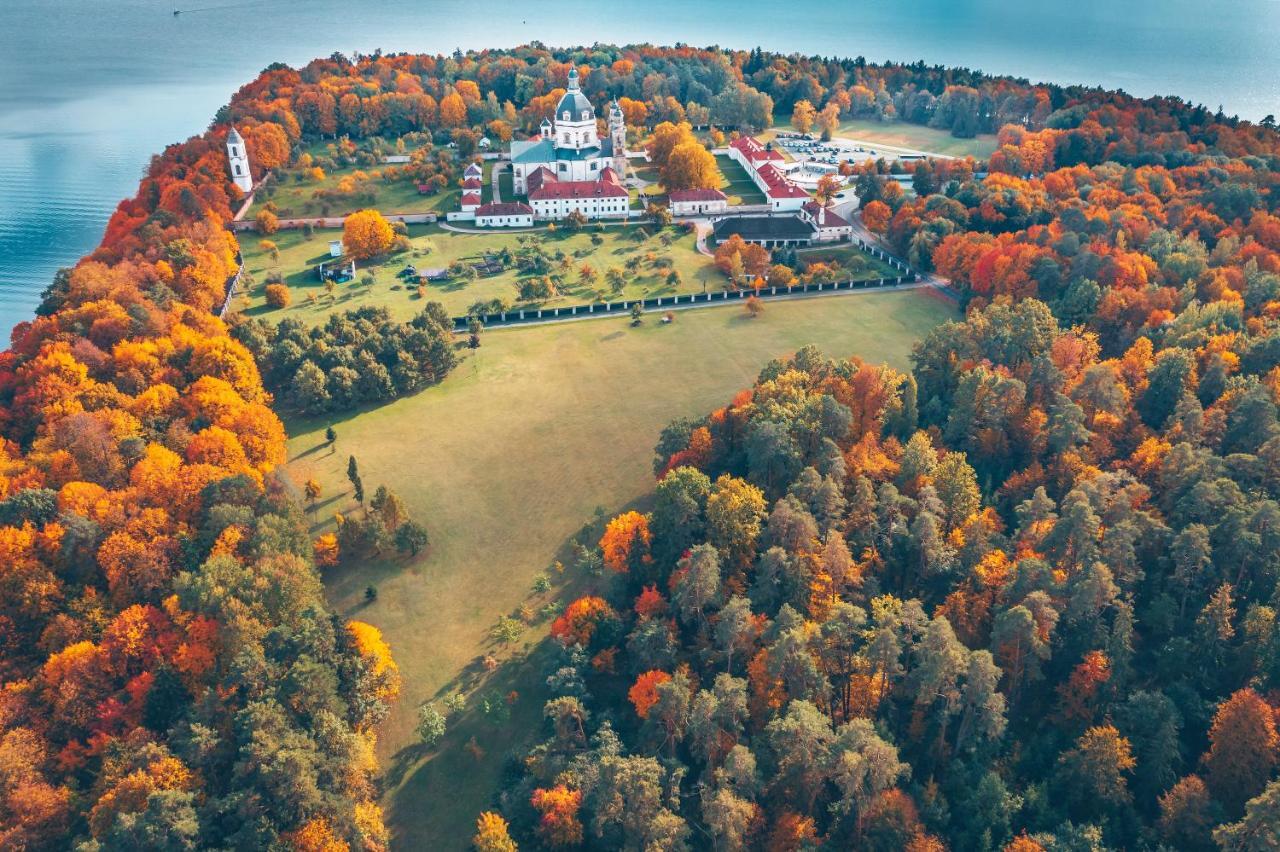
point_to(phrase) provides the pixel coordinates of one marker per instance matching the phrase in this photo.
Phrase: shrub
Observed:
(266, 222)
(278, 296)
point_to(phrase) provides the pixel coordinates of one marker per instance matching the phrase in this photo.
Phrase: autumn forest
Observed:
(1022, 596)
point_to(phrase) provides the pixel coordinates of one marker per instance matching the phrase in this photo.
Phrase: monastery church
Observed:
(569, 166)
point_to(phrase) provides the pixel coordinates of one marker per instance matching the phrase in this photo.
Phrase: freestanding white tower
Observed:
(238, 160)
(618, 138)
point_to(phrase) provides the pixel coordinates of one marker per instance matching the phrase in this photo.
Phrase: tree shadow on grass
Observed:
(435, 794)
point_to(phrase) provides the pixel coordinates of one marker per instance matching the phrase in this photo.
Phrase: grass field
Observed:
(504, 462)
(295, 199)
(901, 134)
(435, 247)
(737, 184)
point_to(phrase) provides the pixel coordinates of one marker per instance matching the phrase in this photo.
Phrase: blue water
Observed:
(89, 89)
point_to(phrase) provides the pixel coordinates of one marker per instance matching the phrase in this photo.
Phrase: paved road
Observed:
(494, 191)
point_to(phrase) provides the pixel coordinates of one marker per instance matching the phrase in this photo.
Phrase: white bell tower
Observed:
(238, 161)
(618, 138)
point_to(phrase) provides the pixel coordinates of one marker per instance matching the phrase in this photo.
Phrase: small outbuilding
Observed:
(506, 214)
(697, 202)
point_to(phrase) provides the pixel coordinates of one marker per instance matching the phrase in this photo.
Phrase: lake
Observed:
(90, 89)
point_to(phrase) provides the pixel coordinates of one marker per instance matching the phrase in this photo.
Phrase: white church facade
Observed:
(569, 166)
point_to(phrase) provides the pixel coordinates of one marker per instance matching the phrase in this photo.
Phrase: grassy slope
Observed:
(504, 462)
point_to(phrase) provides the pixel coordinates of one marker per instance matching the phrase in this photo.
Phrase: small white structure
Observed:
(828, 227)
(470, 201)
(335, 248)
(507, 214)
(473, 171)
(238, 161)
(697, 202)
(485, 143)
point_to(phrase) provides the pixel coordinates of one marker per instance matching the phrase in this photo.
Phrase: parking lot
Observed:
(808, 148)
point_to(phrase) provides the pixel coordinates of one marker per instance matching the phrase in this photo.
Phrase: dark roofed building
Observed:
(768, 231)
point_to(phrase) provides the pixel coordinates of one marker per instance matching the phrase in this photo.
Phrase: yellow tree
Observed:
(492, 834)
(802, 116)
(453, 110)
(690, 166)
(829, 119)
(666, 136)
(366, 234)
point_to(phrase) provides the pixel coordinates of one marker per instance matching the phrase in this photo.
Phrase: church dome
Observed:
(574, 102)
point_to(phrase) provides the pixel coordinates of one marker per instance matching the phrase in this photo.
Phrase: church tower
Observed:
(238, 161)
(618, 138)
(575, 119)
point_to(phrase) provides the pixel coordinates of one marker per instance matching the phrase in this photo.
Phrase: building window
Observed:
(237, 169)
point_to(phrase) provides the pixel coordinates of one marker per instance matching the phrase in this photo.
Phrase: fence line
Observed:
(549, 314)
(233, 283)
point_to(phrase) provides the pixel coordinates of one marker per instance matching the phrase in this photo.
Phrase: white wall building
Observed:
(238, 161)
(507, 214)
(697, 202)
(828, 227)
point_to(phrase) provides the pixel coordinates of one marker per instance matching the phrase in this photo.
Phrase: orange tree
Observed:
(366, 234)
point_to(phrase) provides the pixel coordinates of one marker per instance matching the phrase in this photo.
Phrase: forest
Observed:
(1023, 597)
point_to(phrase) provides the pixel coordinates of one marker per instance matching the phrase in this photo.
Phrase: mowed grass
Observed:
(737, 184)
(916, 137)
(434, 246)
(504, 462)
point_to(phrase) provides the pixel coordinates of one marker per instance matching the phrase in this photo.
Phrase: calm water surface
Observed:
(89, 89)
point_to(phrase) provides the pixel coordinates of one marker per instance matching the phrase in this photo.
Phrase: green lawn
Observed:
(435, 247)
(294, 196)
(917, 137)
(736, 184)
(505, 186)
(504, 462)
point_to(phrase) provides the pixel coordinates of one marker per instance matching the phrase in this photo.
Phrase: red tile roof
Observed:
(608, 174)
(472, 183)
(777, 184)
(697, 195)
(753, 150)
(504, 208)
(470, 199)
(829, 220)
(577, 189)
(538, 177)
